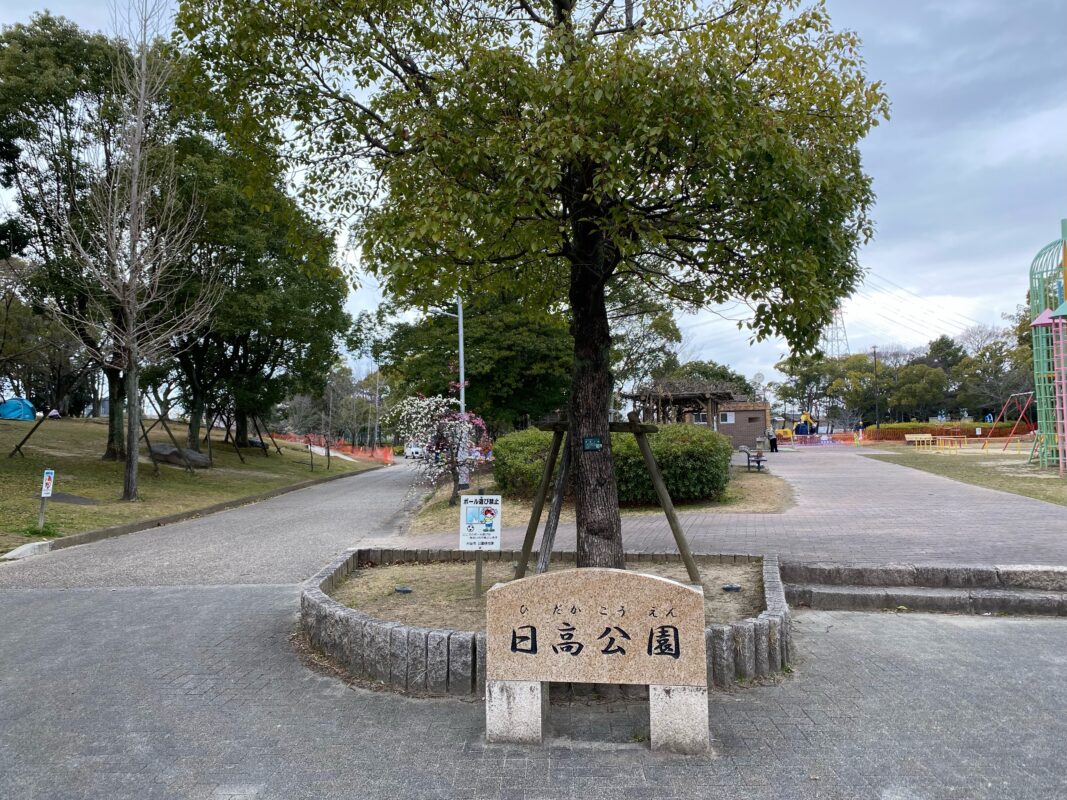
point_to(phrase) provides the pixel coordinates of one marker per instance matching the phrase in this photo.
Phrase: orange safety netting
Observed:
(380, 455)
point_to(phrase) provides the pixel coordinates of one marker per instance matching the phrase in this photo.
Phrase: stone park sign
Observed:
(597, 626)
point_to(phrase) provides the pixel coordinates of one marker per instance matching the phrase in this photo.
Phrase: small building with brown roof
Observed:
(698, 402)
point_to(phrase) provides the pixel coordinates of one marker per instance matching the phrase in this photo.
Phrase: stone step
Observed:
(925, 598)
(961, 576)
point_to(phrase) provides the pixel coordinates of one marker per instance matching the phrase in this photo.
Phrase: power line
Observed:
(970, 320)
(927, 326)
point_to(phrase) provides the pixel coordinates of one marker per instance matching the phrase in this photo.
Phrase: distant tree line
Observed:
(973, 373)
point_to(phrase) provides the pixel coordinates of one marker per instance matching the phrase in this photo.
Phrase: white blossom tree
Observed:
(444, 433)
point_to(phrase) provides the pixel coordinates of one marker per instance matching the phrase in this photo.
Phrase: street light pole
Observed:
(464, 473)
(877, 414)
(462, 375)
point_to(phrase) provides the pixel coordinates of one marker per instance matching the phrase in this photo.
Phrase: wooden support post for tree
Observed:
(173, 440)
(210, 427)
(148, 444)
(664, 499)
(26, 438)
(233, 441)
(259, 435)
(538, 505)
(208, 440)
(548, 539)
(271, 435)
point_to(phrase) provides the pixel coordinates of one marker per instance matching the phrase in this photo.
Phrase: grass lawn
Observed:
(747, 492)
(72, 447)
(992, 469)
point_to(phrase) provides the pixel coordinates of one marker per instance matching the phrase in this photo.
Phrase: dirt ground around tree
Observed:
(442, 594)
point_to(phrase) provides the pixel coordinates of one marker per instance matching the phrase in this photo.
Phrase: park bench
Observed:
(919, 439)
(753, 458)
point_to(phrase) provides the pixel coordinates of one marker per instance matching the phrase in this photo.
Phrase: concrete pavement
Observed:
(195, 693)
(857, 510)
(158, 665)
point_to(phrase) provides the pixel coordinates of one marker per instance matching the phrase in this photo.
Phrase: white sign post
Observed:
(46, 492)
(479, 529)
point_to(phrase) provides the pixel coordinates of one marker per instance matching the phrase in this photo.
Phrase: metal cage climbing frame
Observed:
(1048, 312)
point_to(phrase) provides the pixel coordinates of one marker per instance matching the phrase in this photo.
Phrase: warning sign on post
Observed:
(46, 484)
(479, 522)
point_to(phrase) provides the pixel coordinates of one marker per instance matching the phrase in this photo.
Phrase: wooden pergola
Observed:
(670, 400)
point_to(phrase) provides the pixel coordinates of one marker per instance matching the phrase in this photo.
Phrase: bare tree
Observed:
(133, 240)
(976, 337)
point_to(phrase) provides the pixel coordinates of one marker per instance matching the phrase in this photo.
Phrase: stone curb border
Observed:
(87, 537)
(960, 576)
(424, 661)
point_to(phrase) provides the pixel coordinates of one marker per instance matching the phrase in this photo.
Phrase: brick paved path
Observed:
(158, 665)
(146, 693)
(852, 509)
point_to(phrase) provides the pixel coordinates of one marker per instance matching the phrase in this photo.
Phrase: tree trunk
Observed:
(95, 393)
(596, 494)
(116, 447)
(133, 422)
(196, 415)
(453, 499)
(241, 429)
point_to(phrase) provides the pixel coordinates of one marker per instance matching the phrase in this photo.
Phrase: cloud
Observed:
(1039, 136)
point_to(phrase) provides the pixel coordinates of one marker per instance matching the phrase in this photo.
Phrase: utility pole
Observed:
(877, 413)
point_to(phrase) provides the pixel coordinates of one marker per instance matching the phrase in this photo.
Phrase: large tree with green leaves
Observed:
(281, 295)
(557, 147)
(517, 359)
(57, 105)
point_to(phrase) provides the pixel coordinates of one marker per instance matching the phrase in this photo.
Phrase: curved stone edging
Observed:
(421, 661)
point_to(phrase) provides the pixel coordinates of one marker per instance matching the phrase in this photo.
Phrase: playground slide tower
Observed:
(1048, 312)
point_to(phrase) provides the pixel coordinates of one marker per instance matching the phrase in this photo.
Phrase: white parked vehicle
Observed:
(413, 450)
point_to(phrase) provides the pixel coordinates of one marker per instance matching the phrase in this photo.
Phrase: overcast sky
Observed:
(970, 172)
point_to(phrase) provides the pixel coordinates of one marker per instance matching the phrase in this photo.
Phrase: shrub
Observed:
(694, 460)
(519, 460)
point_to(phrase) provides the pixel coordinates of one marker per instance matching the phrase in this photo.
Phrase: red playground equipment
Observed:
(1014, 401)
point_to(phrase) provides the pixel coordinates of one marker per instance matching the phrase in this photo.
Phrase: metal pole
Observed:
(464, 472)
(377, 394)
(462, 375)
(877, 413)
(40, 514)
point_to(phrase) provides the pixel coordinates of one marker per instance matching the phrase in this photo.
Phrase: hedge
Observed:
(896, 431)
(519, 461)
(924, 426)
(694, 460)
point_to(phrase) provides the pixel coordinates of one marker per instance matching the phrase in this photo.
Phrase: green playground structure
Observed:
(1048, 312)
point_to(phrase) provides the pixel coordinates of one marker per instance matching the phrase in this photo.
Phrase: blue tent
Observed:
(16, 408)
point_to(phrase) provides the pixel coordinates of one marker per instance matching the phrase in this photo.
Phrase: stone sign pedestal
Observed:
(597, 626)
(678, 718)
(515, 711)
